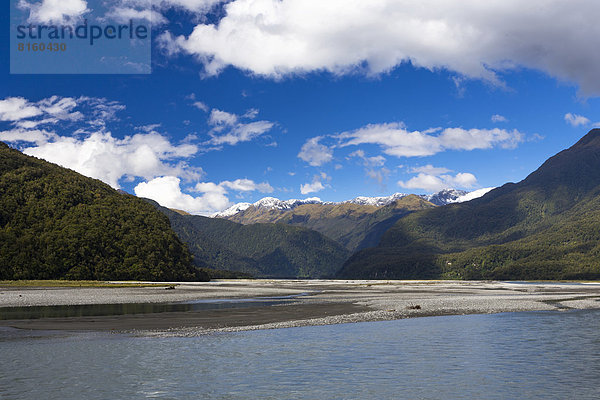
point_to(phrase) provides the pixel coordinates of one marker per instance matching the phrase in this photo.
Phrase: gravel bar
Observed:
(299, 303)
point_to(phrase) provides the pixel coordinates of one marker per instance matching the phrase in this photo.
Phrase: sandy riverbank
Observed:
(323, 302)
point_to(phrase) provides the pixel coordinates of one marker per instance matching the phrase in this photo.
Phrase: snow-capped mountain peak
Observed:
(234, 209)
(274, 203)
(376, 201)
(443, 197)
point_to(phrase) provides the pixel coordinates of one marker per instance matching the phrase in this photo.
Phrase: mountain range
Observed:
(443, 197)
(544, 227)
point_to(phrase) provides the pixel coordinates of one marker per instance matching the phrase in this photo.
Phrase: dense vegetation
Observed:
(58, 224)
(261, 250)
(353, 226)
(544, 227)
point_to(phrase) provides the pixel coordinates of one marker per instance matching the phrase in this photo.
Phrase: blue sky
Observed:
(334, 99)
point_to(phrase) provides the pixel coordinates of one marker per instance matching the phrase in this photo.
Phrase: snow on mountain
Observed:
(273, 203)
(270, 203)
(234, 209)
(443, 197)
(376, 201)
(473, 195)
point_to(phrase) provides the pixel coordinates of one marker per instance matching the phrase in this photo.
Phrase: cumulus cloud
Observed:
(307, 188)
(472, 39)
(54, 11)
(396, 140)
(434, 183)
(314, 153)
(109, 159)
(316, 185)
(576, 120)
(433, 179)
(167, 192)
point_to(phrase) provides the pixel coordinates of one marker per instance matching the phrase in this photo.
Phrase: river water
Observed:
(533, 355)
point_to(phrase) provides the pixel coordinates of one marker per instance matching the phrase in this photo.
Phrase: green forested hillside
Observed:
(353, 226)
(262, 250)
(544, 227)
(56, 223)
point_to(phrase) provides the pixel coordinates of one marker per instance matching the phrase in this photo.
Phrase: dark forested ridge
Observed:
(56, 223)
(261, 250)
(544, 227)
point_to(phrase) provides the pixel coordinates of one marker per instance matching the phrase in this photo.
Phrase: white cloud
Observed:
(395, 140)
(122, 14)
(28, 115)
(471, 38)
(434, 183)
(311, 187)
(37, 136)
(247, 185)
(499, 118)
(198, 6)
(200, 106)
(148, 128)
(54, 11)
(218, 117)
(167, 192)
(430, 169)
(17, 108)
(251, 113)
(375, 161)
(242, 133)
(104, 157)
(316, 184)
(315, 153)
(230, 129)
(576, 120)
